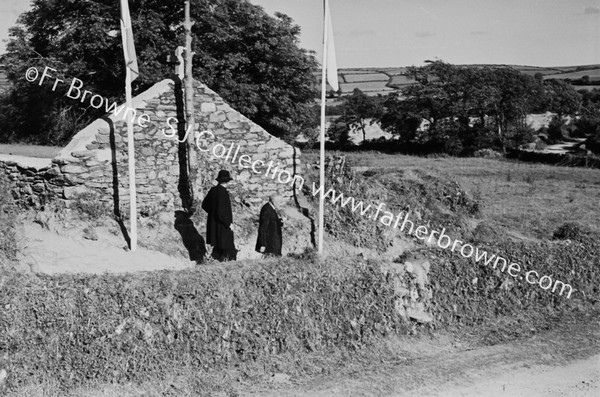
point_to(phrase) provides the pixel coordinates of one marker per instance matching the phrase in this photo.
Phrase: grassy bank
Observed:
(542, 217)
(206, 328)
(117, 328)
(182, 329)
(530, 199)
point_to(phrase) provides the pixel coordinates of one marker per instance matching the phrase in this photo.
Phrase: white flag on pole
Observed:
(128, 45)
(131, 72)
(328, 75)
(332, 73)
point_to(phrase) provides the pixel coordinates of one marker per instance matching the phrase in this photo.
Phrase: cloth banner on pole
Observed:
(332, 72)
(131, 72)
(329, 74)
(127, 36)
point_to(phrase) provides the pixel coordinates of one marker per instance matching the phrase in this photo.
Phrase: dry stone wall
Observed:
(96, 161)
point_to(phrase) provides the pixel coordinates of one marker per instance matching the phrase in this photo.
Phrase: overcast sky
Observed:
(406, 32)
(379, 33)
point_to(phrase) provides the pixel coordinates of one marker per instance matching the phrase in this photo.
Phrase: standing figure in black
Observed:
(269, 227)
(218, 225)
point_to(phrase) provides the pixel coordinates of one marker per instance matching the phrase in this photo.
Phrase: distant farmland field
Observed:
(373, 81)
(534, 70)
(400, 81)
(356, 78)
(370, 87)
(392, 71)
(593, 73)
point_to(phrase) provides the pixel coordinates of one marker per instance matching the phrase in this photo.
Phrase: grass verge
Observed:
(131, 328)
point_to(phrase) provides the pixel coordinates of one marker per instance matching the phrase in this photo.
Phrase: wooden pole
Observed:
(131, 73)
(131, 155)
(189, 105)
(322, 135)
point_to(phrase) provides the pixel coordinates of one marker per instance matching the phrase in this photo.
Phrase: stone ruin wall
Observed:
(95, 161)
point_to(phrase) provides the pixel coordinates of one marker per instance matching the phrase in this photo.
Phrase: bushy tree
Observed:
(251, 59)
(593, 142)
(464, 93)
(561, 98)
(515, 95)
(400, 118)
(557, 129)
(339, 133)
(357, 111)
(473, 107)
(590, 102)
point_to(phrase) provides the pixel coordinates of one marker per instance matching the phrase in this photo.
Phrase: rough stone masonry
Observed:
(95, 161)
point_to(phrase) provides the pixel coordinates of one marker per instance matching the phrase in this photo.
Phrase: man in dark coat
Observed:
(269, 227)
(218, 225)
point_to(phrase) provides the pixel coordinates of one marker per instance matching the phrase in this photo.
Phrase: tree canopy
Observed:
(358, 110)
(472, 107)
(250, 58)
(442, 91)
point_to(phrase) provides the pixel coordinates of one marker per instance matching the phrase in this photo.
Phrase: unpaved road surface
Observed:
(562, 362)
(577, 379)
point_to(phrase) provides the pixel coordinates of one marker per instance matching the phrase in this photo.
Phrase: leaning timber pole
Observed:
(322, 131)
(189, 106)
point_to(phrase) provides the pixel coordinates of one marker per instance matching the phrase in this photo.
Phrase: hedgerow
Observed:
(73, 328)
(467, 293)
(116, 328)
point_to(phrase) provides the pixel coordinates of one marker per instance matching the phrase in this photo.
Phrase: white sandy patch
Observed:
(48, 252)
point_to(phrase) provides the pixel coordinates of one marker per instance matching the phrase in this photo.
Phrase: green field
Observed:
(529, 200)
(363, 77)
(375, 81)
(30, 150)
(369, 87)
(594, 74)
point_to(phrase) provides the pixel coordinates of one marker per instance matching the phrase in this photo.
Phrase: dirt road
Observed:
(563, 362)
(577, 379)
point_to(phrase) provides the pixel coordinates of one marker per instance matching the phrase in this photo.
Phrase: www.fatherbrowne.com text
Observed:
(245, 161)
(515, 270)
(387, 218)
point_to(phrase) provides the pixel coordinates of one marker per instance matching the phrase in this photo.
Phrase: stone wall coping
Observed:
(88, 134)
(36, 163)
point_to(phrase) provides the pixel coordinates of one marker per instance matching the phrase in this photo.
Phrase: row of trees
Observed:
(253, 60)
(465, 108)
(250, 58)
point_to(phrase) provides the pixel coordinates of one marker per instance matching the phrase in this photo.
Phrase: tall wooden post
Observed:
(322, 131)
(189, 106)
(131, 155)
(131, 73)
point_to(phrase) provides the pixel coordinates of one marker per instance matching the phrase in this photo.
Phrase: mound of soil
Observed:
(430, 199)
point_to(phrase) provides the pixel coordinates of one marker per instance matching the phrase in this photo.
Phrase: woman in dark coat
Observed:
(218, 225)
(269, 239)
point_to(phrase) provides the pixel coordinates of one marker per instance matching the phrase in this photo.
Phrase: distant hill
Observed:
(373, 81)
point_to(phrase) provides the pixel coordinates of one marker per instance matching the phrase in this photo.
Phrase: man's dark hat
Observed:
(224, 176)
